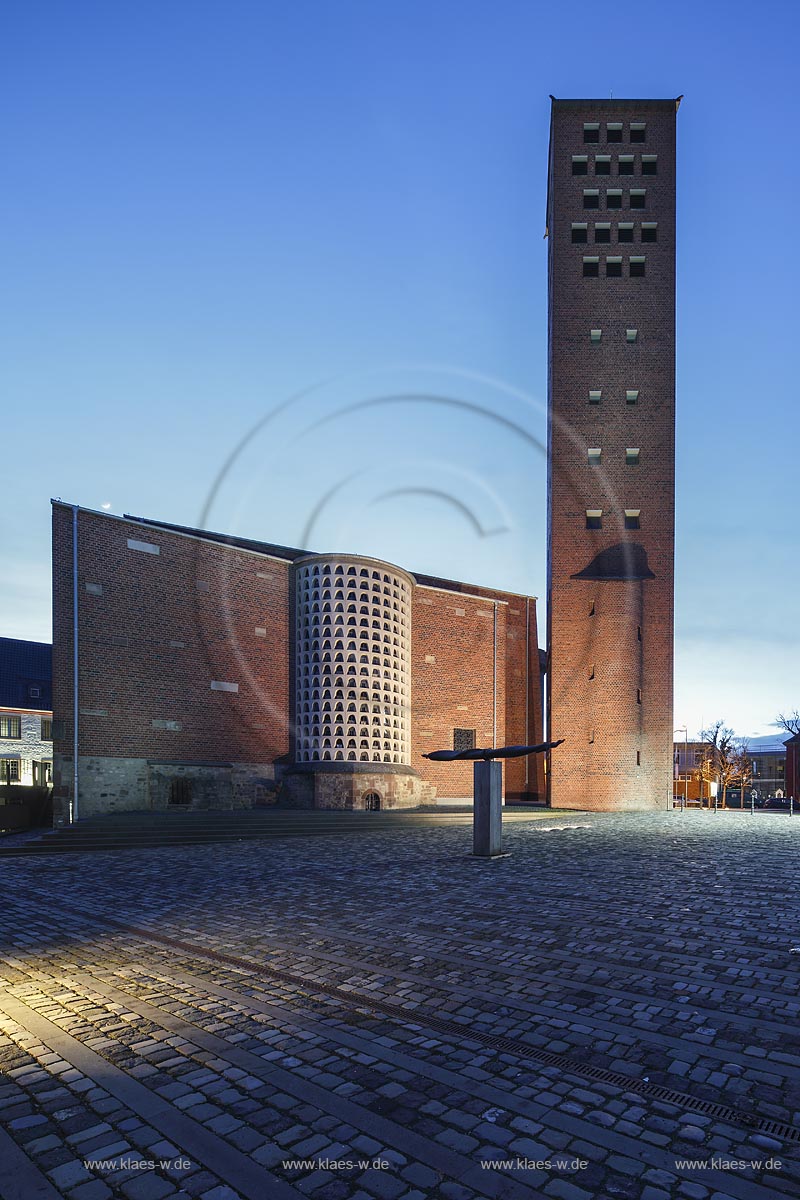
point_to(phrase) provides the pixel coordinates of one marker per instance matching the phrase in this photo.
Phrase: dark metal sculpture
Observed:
(490, 753)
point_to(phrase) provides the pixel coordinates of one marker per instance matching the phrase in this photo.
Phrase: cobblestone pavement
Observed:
(605, 1013)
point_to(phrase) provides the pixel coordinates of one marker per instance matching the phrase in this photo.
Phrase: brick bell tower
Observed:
(611, 477)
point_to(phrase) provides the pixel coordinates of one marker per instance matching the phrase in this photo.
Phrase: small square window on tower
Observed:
(591, 267)
(580, 164)
(602, 231)
(595, 454)
(602, 164)
(638, 197)
(649, 231)
(632, 518)
(595, 396)
(463, 739)
(614, 267)
(625, 164)
(594, 518)
(637, 268)
(632, 396)
(638, 131)
(595, 336)
(591, 131)
(614, 131)
(625, 231)
(580, 231)
(591, 198)
(614, 198)
(649, 164)
(631, 335)
(631, 457)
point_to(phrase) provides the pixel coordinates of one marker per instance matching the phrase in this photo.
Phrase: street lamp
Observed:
(684, 730)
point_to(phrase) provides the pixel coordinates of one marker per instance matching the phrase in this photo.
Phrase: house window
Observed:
(47, 729)
(591, 267)
(10, 727)
(595, 396)
(614, 267)
(649, 231)
(9, 770)
(638, 131)
(463, 739)
(625, 164)
(649, 164)
(594, 454)
(594, 518)
(595, 336)
(591, 198)
(614, 198)
(632, 518)
(625, 231)
(602, 164)
(614, 131)
(602, 232)
(34, 693)
(637, 268)
(631, 335)
(638, 197)
(580, 164)
(631, 457)
(580, 233)
(591, 131)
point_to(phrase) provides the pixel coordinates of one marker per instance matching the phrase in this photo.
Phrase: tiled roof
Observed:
(24, 667)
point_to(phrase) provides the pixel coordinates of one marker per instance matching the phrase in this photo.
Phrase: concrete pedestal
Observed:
(487, 830)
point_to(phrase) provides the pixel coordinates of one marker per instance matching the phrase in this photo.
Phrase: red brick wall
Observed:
(603, 772)
(164, 627)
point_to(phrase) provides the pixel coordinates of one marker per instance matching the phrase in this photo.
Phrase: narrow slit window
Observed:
(580, 164)
(632, 396)
(602, 232)
(649, 231)
(591, 737)
(625, 164)
(591, 610)
(580, 232)
(638, 633)
(637, 268)
(638, 197)
(638, 695)
(638, 131)
(591, 131)
(631, 457)
(595, 336)
(595, 455)
(591, 671)
(602, 164)
(594, 518)
(639, 754)
(632, 518)
(591, 198)
(649, 164)
(614, 131)
(614, 198)
(625, 231)
(595, 396)
(631, 335)
(591, 267)
(614, 267)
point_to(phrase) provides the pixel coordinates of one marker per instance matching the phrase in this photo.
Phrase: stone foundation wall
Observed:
(107, 785)
(343, 790)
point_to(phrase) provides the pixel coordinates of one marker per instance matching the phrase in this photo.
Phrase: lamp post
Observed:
(684, 730)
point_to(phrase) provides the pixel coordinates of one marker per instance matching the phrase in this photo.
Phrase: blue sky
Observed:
(214, 210)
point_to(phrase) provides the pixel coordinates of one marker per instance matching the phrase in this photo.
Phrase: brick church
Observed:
(199, 669)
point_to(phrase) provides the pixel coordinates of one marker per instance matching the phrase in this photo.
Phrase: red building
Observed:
(221, 671)
(611, 229)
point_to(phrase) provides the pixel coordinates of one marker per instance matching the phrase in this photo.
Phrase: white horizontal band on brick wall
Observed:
(145, 547)
(218, 686)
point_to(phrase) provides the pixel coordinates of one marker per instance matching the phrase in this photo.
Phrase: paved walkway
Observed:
(613, 1011)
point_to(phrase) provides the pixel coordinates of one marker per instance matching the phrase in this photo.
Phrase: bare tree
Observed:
(724, 758)
(789, 721)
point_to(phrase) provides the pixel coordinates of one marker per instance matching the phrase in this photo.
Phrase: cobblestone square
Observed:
(612, 1011)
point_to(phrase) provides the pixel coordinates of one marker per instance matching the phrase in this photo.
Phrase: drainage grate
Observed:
(548, 1058)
